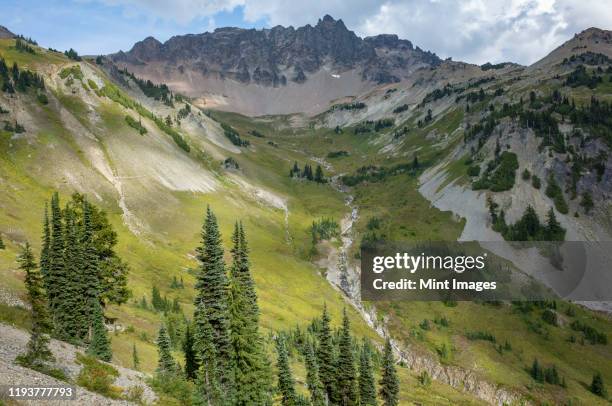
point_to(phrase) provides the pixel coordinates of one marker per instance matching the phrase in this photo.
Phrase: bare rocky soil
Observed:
(13, 342)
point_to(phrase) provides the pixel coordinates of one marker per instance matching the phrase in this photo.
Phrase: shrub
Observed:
(535, 182)
(98, 377)
(42, 98)
(137, 125)
(473, 170)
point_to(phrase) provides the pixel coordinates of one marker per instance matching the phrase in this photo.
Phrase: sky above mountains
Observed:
(474, 31)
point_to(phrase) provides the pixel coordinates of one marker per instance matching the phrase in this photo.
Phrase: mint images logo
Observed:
(412, 263)
(497, 270)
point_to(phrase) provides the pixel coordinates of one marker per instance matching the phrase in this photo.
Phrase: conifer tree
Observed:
(346, 379)
(56, 277)
(208, 390)
(191, 363)
(99, 345)
(319, 177)
(2, 246)
(367, 386)
(90, 284)
(286, 384)
(135, 358)
(213, 291)
(315, 387)
(597, 385)
(46, 245)
(251, 374)
(325, 356)
(165, 364)
(389, 383)
(38, 346)
(536, 371)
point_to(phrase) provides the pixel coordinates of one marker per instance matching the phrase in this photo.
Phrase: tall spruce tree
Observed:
(315, 387)
(213, 291)
(135, 358)
(367, 386)
(208, 389)
(286, 384)
(191, 363)
(597, 386)
(46, 245)
(56, 278)
(252, 377)
(389, 383)
(346, 377)
(99, 345)
(325, 356)
(37, 350)
(165, 364)
(2, 246)
(90, 284)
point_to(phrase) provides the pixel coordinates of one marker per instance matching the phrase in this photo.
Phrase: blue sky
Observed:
(475, 31)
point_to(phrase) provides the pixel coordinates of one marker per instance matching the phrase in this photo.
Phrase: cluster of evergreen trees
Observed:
(21, 80)
(72, 54)
(549, 374)
(528, 227)
(78, 274)
(307, 173)
(159, 92)
(226, 357)
(22, 46)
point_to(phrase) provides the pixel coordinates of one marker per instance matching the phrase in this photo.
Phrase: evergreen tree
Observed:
(319, 177)
(165, 364)
(367, 386)
(325, 356)
(286, 384)
(389, 383)
(135, 358)
(56, 277)
(553, 230)
(251, 375)
(315, 387)
(38, 346)
(2, 246)
(597, 385)
(191, 363)
(346, 377)
(208, 390)
(99, 346)
(90, 285)
(46, 245)
(536, 371)
(213, 293)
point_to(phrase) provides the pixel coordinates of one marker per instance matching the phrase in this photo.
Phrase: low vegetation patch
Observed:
(98, 377)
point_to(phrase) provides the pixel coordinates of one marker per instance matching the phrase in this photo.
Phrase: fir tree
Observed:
(367, 386)
(251, 375)
(536, 371)
(38, 346)
(46, 245)
(165, 364)
(389, 383)
(135, 358)
(56, 277)
(208, 390)
(346, 379)
(286, 384)
(325, 356)
(90, 284)
(191, 363)
(597, 385)
(2, 246)
(212, 291)
(315, 387)
(99, 346)
(319, 177)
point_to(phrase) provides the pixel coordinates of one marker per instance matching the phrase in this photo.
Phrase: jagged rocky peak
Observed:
(280, 54)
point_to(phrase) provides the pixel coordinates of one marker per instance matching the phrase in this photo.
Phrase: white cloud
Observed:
(472, 30)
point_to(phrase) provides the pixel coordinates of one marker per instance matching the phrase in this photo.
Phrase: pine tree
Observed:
(346, 376)
(315, 387)
(191, 363)
(208, 390)
(251, 375)
(135, 358)
(46, 245)
(38, 346)
(389, 383)
(536, 371)
(286, 384)
(597, 385)
(56, 277)
(319, 177)
(212, 291)
(367, 386)
(2, 246)
(325, 356)
(90, 284)
(165, 364)
(99, 346)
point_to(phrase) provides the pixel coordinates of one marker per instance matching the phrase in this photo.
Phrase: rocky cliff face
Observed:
(276, 56)
(5, 33)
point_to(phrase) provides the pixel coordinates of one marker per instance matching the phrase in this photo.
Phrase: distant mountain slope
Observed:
(307, 67)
